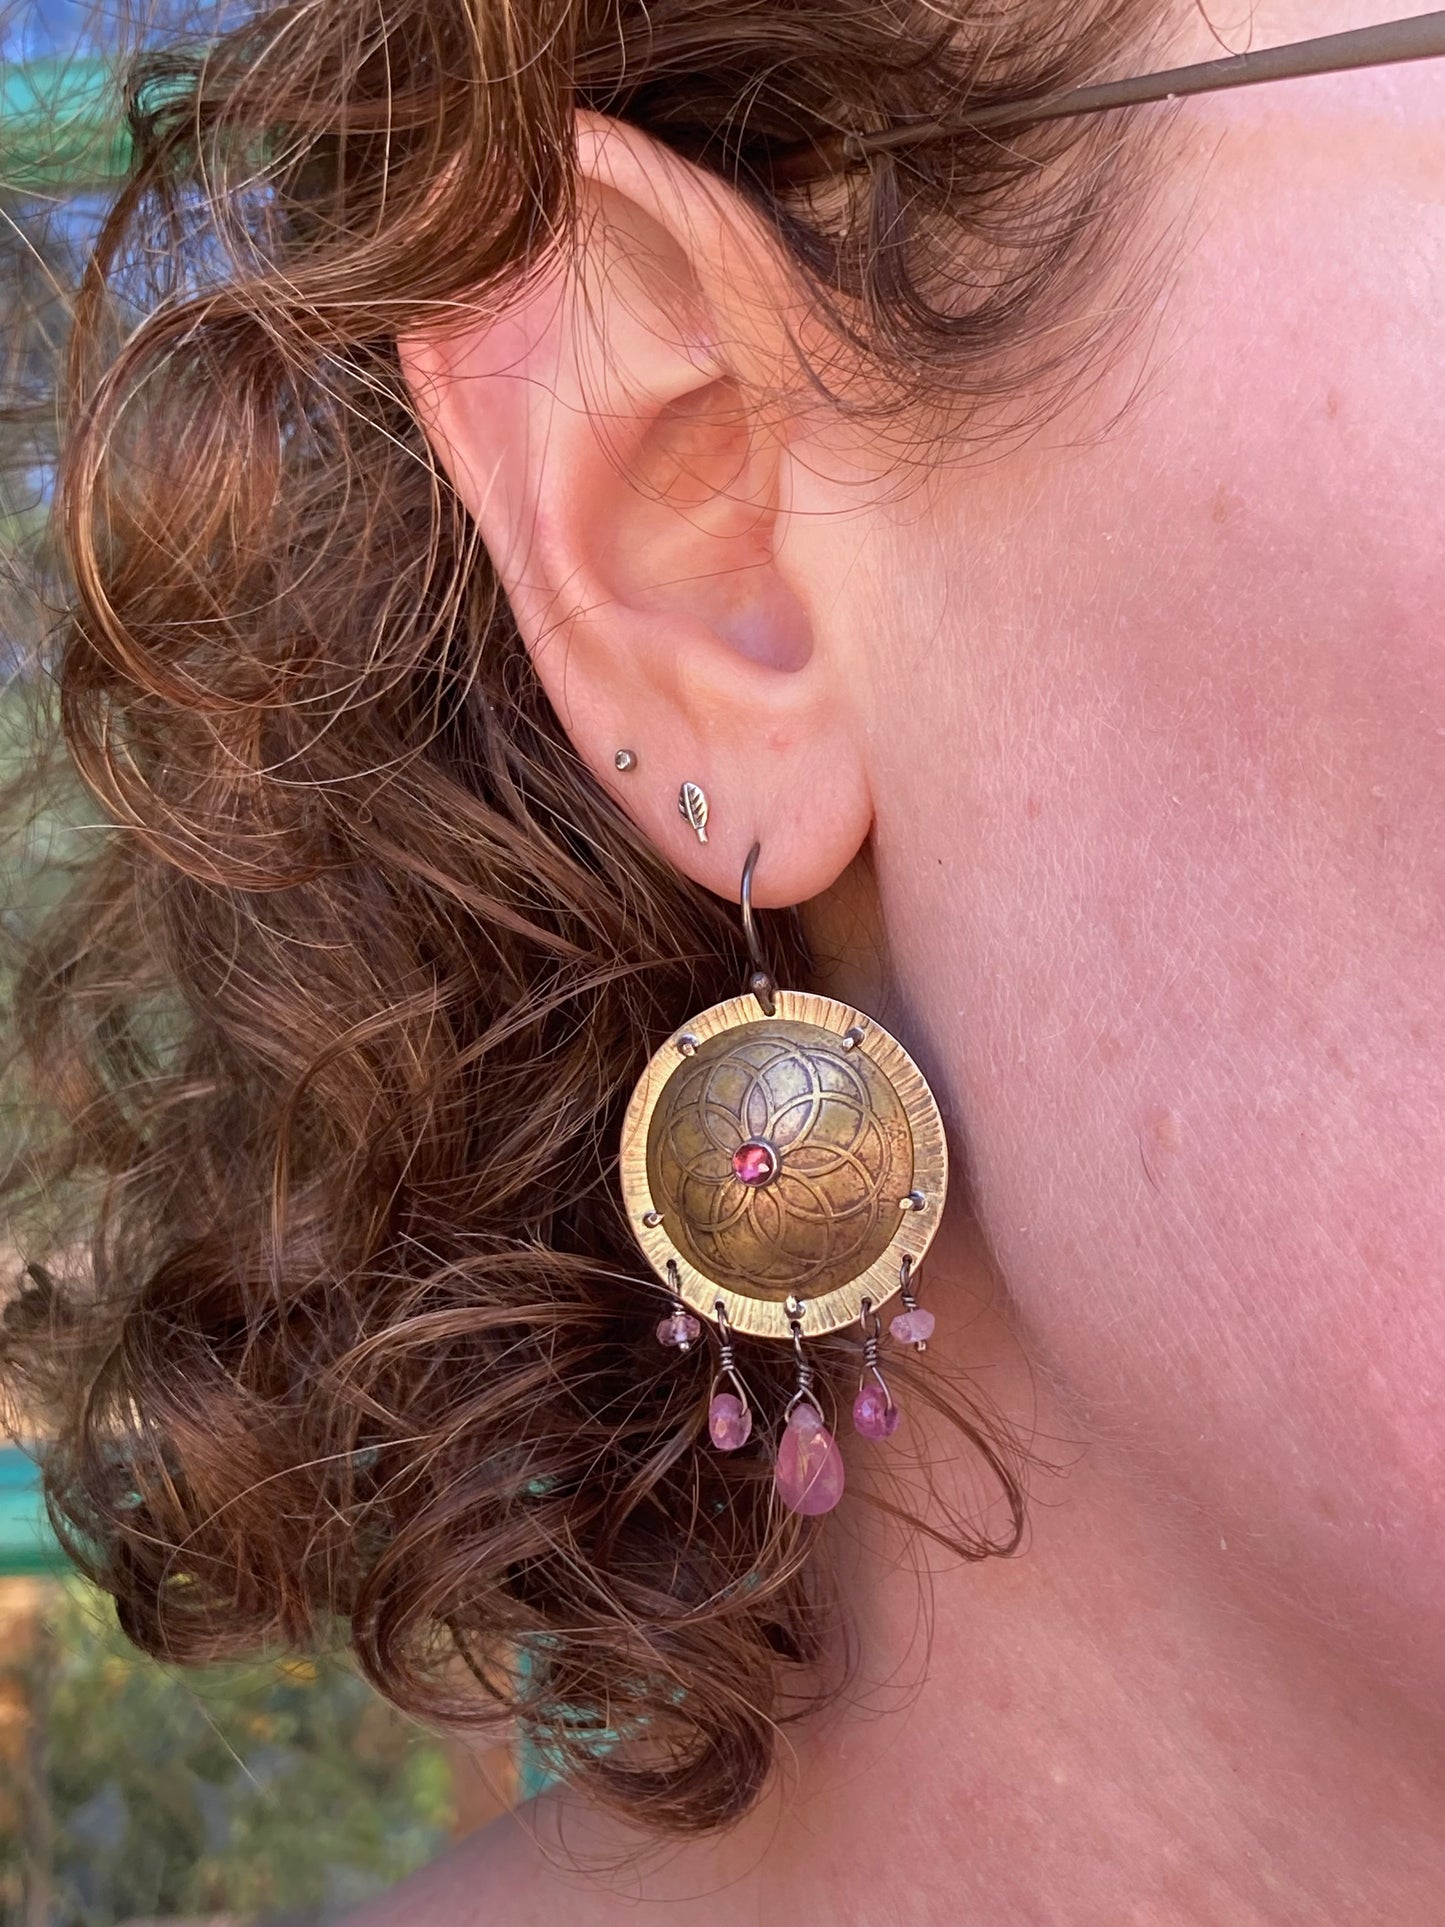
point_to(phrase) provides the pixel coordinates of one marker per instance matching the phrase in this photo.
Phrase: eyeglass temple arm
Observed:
(1389, 44)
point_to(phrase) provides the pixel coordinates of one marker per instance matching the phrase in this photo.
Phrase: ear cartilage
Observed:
(692, 808)
(625, 760)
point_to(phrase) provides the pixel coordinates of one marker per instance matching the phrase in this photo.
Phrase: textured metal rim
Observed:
(917, 1222)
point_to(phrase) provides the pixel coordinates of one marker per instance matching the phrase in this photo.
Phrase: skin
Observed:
(1112, 771)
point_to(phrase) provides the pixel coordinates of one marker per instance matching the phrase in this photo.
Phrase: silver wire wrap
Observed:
(872, 1332)
(910, 1296)
(679, 1309)
(726, 1362)
(805, 1392)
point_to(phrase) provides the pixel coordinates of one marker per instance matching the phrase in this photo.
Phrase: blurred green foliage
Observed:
(249, 1791)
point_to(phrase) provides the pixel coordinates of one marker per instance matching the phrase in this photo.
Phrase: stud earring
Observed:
(784, 1171)
(625, 760)
(692, 808)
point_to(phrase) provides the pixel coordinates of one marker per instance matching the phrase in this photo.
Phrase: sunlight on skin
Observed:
(1184, 755)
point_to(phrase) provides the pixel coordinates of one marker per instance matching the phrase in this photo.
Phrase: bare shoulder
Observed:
(550, 1862)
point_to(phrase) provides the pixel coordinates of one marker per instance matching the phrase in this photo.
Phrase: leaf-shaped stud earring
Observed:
(692, 808)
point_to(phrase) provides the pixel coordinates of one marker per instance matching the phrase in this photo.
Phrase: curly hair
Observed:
(337, 1023)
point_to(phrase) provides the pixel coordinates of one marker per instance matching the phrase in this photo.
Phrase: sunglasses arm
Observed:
(1390, 44)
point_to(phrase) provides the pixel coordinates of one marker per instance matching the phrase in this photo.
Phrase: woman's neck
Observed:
(1128, 1721)
(1123, 1723)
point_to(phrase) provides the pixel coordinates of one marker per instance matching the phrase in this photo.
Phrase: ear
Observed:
(616, 434)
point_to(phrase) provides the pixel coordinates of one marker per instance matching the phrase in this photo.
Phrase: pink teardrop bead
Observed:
(913, 1327)
(875, 1415)
(729, 1422)
(809, 1471)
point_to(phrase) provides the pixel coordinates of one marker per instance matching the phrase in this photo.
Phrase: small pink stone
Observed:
(913, 1327)
(755, 1162)
(729, 1422)
(809, 1471)
(679, 1329)
(875, 1415)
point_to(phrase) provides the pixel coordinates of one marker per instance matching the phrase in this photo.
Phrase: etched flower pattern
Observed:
(844, 1159)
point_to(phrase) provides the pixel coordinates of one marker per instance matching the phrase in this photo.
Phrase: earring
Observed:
(692, 808)
(625, 760)
(784, 1171)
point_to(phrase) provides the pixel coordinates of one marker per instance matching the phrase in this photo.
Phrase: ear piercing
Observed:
(691, 798)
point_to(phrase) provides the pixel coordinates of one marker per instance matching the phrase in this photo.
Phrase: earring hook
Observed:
(762, 983)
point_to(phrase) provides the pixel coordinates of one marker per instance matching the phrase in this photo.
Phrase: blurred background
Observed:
(133, 1793)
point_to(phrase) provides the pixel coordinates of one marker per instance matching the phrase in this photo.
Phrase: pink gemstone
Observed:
(874, 1413)
(729, 1422)
(913, 1327)
(755, 1162)
(679, 1328)
(809, 1471)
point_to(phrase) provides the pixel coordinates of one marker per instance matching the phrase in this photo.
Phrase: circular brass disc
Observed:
(862, 1167)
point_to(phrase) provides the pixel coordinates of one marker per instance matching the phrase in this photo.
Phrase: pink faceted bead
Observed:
(729, 1422)
(680, 1329)
(875, 1415)
(755, 1162)
(913, 1327)
(809, 1471)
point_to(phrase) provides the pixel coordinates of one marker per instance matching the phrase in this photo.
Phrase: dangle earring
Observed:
(729, 1415)
(874, 1413)
(784, 1171)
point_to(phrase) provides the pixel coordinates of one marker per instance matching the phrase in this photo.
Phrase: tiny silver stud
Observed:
(624, 760)
(652, 1219)
(687, 1044)
(852, 1038)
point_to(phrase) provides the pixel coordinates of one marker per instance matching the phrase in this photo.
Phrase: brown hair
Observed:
(339, 1018)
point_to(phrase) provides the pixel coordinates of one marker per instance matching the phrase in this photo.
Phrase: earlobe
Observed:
(634, 496)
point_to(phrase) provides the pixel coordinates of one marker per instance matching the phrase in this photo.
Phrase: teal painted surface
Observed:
(537, 1757)
(60, 128)
(27, 1545)
(533, 1775)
